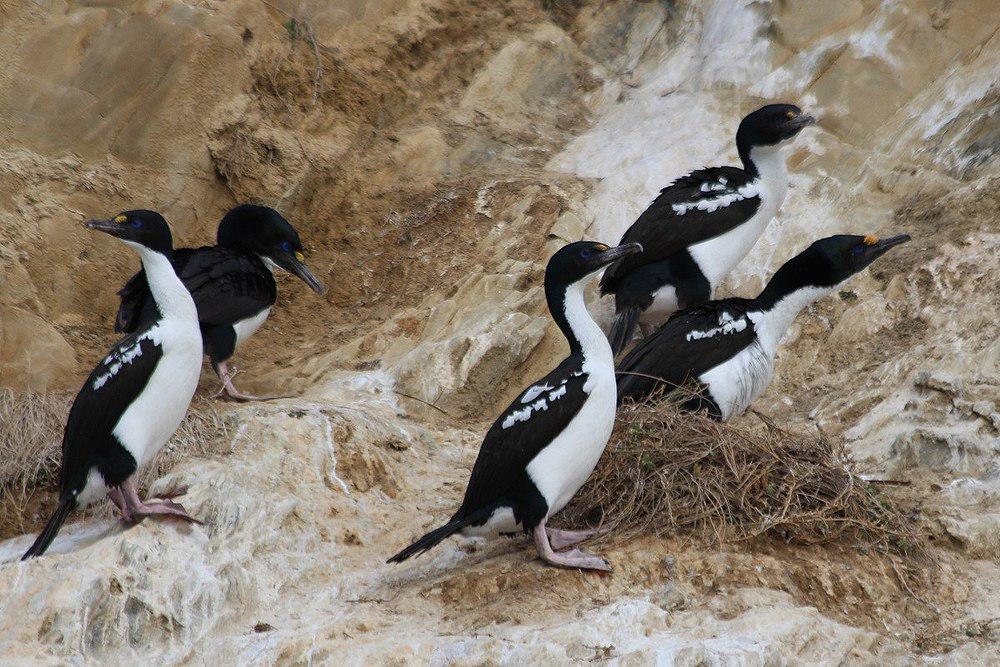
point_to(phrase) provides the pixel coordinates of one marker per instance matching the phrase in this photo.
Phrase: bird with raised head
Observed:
(699, 227)
(542, 448)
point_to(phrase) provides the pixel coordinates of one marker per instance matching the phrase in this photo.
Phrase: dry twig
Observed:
(665, 471)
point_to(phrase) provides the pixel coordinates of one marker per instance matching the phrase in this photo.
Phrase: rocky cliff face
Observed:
(432, 154)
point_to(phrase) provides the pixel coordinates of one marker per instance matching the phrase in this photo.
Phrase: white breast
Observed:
(664, 304)
(246, 328)
(718, 256)
(736, 383)
(560, 469)
(156, 413)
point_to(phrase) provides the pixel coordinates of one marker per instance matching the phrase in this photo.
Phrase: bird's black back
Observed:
(227, 286)
(506, 452)
(663, 232)
(110, 388)
(675, 359)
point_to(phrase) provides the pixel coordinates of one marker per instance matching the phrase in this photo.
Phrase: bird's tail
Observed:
(622, 328)
(432, 538)
(67, 503)
(429, 540)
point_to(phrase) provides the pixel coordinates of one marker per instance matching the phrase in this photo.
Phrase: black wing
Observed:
(674, 221)
(228, 286)
(111, 387)
(134, 296)
(528, 424)
(137, 308)
(691, 342)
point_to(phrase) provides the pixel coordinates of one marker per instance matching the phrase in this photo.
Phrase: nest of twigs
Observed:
(669, 472)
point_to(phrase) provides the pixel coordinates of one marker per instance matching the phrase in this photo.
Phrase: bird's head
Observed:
(139, 229)
(576, 261)
(265, 232)
(837, 258)
(772, 125)
(830, 261)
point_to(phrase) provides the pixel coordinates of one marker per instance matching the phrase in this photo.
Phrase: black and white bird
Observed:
(231, 282)
(701, 226)
(541, 450)
(137, 396)
(724, 350)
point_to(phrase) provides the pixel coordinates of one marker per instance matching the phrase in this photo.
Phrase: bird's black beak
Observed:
(614, 254)
(875, 248)
(801, 121)
(294, 262)
(114, 226)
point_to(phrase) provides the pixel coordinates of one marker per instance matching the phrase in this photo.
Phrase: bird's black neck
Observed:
(569, 310)
(793, 275)
(762, 161)
(793, 287)
(744, 145)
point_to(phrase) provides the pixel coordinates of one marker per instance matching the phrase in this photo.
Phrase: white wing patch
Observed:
(539, 405)
(727, 325)
(517, 416)
(711, 204)
(125, 356)
(534, 392)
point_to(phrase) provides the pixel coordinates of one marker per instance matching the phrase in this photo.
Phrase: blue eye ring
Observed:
(586, 253)
(136, 223)
(286, 246)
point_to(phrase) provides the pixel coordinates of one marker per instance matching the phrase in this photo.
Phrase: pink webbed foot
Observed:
(560, 539)
(573, 559)
(134, 509)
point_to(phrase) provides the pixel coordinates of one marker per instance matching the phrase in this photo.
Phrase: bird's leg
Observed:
(230, 391)
(116, 496)
(137, 508)
(560, 538)
(573, 559)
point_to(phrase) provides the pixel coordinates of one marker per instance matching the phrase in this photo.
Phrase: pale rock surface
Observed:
(525, 73)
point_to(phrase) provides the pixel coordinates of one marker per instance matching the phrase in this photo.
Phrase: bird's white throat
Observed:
(593, 341)
(172, 299)
(771, 166)
(772, 324)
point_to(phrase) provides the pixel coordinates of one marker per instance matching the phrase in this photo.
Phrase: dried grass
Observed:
(669, 472)
(31, 428)
(31, 431)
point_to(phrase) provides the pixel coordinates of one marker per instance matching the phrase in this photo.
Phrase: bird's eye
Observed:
(857, 250)
(586, 253)
(791, 114)
(136, 223)
(286, 246)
